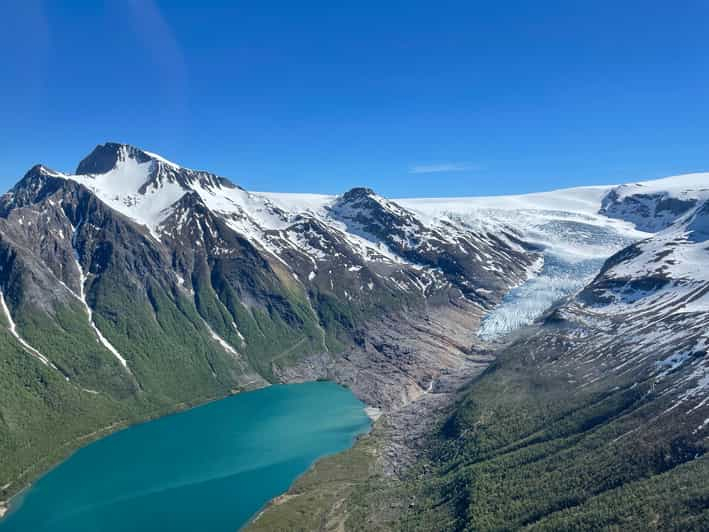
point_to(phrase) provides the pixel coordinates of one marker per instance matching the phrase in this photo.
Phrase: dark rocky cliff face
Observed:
(456, 255)
(105, 157)
(650, 212)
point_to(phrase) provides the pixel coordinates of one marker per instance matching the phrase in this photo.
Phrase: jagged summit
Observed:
(109, 156)
(105, 157)
(40, 169)
(358, 193)
(139, 184)
(127, 163)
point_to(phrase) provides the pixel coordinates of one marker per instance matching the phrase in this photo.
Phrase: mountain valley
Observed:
(534, 361)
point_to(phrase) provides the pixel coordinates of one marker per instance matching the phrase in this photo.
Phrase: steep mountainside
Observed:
(135, 286)
(606, 416)
(596, 416)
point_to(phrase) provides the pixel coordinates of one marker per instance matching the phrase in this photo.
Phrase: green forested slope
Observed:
(524, 450)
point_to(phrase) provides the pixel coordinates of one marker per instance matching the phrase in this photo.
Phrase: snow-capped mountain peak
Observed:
(137, 183)
(109, 156)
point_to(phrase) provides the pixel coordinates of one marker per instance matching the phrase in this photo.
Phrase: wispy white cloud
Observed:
(441, 167)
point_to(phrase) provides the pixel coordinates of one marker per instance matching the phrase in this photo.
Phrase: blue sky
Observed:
(410, 98)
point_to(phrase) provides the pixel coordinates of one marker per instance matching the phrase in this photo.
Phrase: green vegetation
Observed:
(521, 450)
(527, 451)
(40, 412)
(343, 491)
(173, 360)
(75, 348)
(278, 323)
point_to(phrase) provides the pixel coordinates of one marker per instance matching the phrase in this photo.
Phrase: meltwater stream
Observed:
(208, 469)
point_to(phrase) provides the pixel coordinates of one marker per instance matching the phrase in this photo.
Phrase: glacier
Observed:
(573, 254)
(566, 227)
(522, 305)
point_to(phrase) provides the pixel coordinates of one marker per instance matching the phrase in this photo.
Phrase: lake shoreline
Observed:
(7, 505)
(456, 326)
(28, 508)
(286, 494)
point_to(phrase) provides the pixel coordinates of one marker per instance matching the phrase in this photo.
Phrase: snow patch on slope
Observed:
(81, 296)
(120, 189)
(13, 331)
(101, 338)
(694, 185)
(223, 343)
(656, 205)
(671, 269)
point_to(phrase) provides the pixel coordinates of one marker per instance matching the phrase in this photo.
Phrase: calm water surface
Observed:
(207, 469)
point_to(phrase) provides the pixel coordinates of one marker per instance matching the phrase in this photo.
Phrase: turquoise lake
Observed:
(207, 469)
